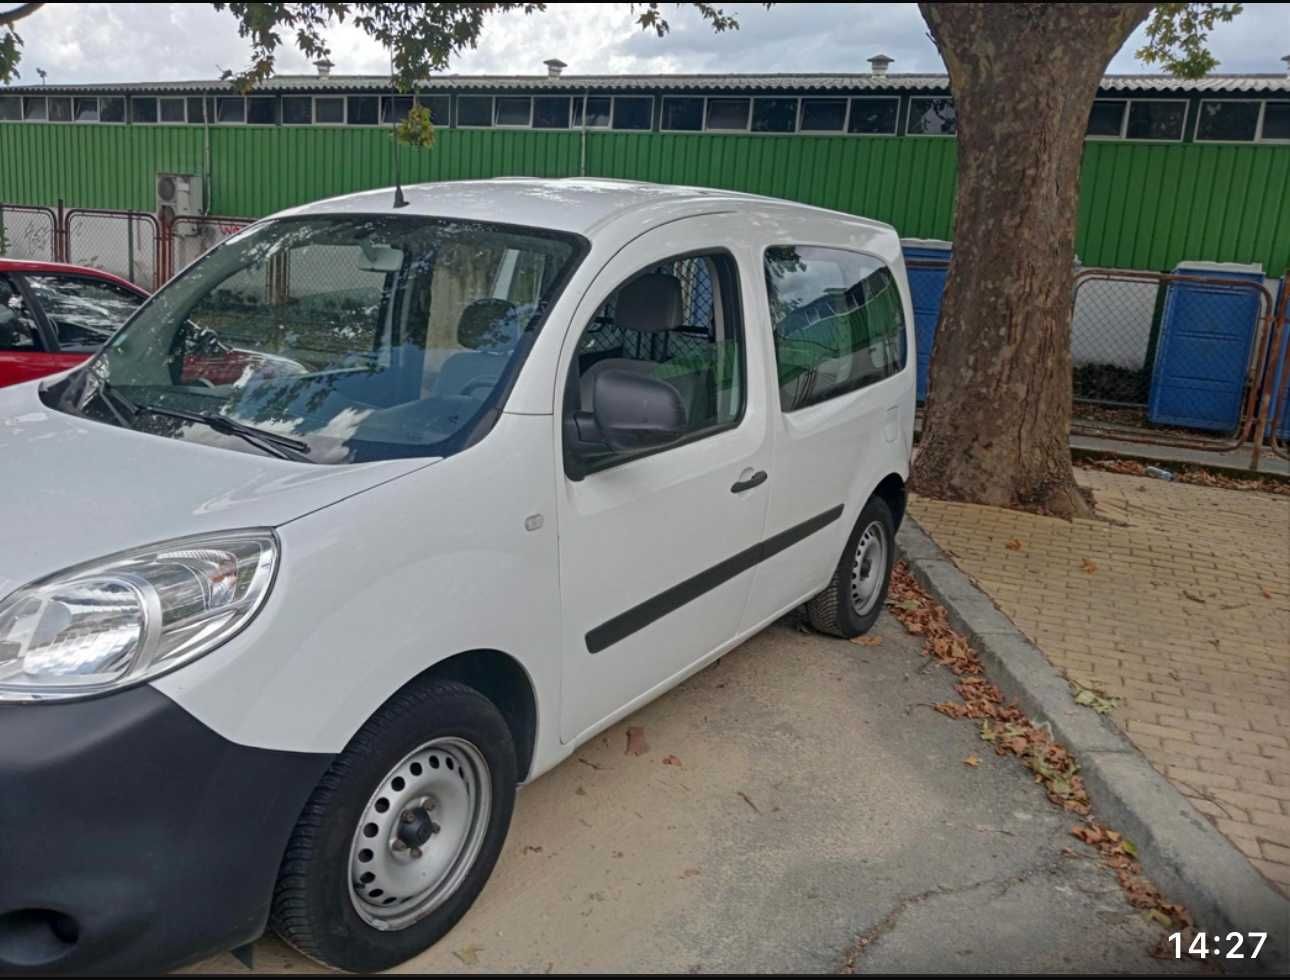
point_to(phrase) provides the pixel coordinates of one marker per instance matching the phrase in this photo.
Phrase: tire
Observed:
(837, 611)
(436, 749)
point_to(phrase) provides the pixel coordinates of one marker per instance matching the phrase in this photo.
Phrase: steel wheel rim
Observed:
(419, 834)
(868, 568)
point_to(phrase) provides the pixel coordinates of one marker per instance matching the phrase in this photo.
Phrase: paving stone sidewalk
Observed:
(1176, 603)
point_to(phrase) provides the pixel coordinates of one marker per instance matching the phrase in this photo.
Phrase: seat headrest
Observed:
(650, 304)
(487, 323)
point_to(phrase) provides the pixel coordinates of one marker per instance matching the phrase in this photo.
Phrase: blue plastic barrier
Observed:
(926, 286)
(1206, 338)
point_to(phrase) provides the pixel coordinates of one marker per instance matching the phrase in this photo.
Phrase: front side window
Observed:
(1156, 120)
(17, 326)
(837, 319)
(676, 321)
(84, 313)
(932, 117)
(340, 339)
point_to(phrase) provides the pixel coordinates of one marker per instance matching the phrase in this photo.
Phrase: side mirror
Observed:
(635, 413)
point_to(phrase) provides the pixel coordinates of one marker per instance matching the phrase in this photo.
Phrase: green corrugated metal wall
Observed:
(1142, 205)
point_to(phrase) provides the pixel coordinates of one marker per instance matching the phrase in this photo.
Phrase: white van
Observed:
(375, 512)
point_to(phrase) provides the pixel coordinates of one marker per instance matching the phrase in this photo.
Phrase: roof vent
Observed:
(879, 63)
(554, 66)
(1286, 59)
(324, 66)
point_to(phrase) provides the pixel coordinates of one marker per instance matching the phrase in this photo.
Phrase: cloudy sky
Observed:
(95, 42)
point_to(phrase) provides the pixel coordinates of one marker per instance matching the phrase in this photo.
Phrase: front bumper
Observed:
(133, 838)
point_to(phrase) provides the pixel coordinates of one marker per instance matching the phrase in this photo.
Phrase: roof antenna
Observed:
(399, 200)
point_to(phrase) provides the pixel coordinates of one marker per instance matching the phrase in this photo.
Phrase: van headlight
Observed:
(117, 622)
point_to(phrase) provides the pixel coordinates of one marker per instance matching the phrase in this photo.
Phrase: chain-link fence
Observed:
(1274, 401)
(189, 237)
(28, 233)
(1169, 358)
(126, 243)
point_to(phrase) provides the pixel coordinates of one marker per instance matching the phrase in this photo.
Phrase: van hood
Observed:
(74, 490)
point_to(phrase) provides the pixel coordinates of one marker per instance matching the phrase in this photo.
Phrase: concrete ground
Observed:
(821, 817)
(1176, 603)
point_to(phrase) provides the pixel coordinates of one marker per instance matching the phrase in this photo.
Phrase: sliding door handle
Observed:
(748, 482)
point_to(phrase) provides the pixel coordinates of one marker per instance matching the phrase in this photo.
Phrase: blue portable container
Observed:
(926, 286)
(1203, 352)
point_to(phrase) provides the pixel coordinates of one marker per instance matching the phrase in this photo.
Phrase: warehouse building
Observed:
(1173, 169)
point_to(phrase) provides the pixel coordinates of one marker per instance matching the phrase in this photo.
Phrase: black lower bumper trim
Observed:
(133, 838)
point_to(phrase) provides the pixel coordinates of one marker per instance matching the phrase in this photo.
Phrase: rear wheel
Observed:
(854, 597)
(402, 833)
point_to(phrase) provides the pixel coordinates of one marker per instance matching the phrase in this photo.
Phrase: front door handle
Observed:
(748, 482)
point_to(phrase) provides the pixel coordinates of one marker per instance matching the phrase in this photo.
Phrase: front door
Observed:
(657, 551)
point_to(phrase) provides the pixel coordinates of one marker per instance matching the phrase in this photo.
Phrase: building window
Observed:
(230, 110)
(550, 112)
(297, 110)
(34, 109)
(171, 110)
(838, 321)
(774, 115)
(681, 114)
(932, 116)
(329, 110)
(86, 110)
(728, 115)
(599, 111)
(1276, 122)
(876, 117)
(60, 108)
(474, 110)
(1156, 119)
(633, 112)
(395, 109)
(513, 110)
(262, 111)
(362, 110)
(112, 110)
(1228, 122)
(823, 115)
(196, 110)
(10, 108)
(143, 109)
(1106, 119)
(440, 107)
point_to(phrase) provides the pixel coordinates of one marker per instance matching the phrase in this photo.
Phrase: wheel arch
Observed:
(504, 681)
(894, 494)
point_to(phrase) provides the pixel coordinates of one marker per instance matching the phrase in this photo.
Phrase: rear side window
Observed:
(838, 322)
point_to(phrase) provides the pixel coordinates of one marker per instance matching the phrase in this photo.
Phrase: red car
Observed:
(53, 315)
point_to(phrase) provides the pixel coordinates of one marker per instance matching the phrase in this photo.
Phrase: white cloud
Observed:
(81, 42)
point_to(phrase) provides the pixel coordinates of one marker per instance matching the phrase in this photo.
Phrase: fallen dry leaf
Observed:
(469, 954)
(1267, 594)
(671, 760)
(972, 761)
(1014, 544)
(636, 744)
(532, 848)
(866, 641)
(1088, 566)
(690, 872)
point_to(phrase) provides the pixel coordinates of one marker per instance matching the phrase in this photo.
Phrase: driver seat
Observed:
(489, 328)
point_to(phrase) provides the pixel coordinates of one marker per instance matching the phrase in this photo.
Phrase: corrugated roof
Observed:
(1270, 82)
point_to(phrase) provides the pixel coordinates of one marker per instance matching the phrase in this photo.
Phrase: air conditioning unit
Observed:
(179, 196)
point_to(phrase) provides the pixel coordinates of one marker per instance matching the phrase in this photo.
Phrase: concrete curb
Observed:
(1187, 857)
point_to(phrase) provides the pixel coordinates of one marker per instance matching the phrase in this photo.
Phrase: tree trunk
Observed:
(996, 427)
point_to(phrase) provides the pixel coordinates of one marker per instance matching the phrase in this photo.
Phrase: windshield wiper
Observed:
(115, 401)
(273, 443)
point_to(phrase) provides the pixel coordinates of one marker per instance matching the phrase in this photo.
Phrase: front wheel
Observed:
(853, 599)
(402, 833)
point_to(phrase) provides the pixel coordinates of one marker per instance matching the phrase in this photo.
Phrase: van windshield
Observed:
(332, 338)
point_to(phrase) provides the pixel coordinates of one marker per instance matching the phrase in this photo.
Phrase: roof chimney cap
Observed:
(1286, 59)
(554, 66)
(324, 66)
(879, 63)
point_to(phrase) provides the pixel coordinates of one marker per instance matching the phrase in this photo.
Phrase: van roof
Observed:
(576, 204)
